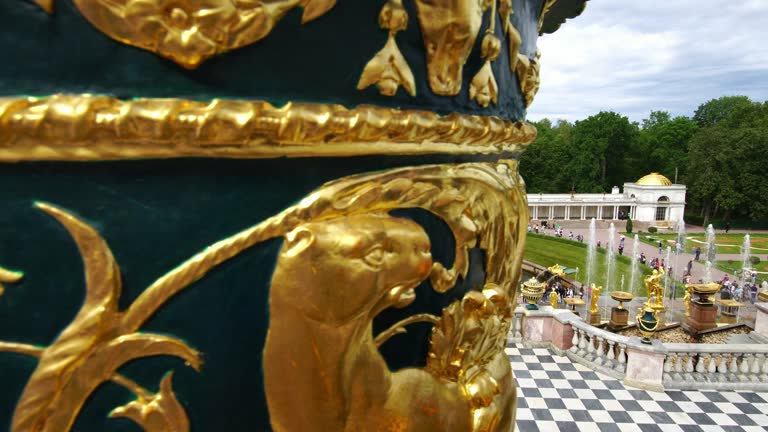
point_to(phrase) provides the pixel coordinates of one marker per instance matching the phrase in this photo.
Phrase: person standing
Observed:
(621, 249)
(660, 246)
(690, 266)
(698, 253)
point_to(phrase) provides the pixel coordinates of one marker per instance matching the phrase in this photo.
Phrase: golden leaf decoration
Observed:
(47, 5)
(483, 87)
(388, 70)
(91, 348)
(8, 276)
(159, 412)
(315, 8)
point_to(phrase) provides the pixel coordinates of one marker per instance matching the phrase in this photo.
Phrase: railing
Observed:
(716, 366)
(516, 330)
(598, 349)
(657, 366)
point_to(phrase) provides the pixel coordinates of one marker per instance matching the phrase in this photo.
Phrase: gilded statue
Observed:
(655, 291)
(553, 298)
(593, 301)
(687, 300)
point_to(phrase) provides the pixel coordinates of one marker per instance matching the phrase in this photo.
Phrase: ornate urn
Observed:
(313, 196)
(647, 323)
(532, 292)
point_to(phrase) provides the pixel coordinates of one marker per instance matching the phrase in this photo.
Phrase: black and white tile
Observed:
(555, 394)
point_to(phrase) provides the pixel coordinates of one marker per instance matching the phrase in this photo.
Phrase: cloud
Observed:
(636, 56)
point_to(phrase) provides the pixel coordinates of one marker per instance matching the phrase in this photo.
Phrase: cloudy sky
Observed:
(634, 56)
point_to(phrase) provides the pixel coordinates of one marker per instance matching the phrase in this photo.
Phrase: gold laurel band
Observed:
(85, 127)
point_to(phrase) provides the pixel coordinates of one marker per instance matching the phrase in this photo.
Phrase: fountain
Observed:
(591, 256)
(610, 273)
(711, 253)
(746, 264)
(679, 250)
(635, 264)
(667, 273)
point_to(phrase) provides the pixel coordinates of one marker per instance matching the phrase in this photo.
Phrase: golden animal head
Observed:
(337, 269)
(450, 28)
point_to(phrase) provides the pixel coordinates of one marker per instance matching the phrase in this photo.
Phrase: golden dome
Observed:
(654, 179)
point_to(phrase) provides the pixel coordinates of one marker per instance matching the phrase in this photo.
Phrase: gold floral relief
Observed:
(370, 261)
(191, 31)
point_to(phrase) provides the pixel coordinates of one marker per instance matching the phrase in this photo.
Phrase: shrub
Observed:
(629, 225)
(652, 230)
(754, 260)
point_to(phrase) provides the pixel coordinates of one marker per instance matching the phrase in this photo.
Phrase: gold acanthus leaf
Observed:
(483, 87)
(315, 8)
(159, 412)
(47, 5)
(8, 276)
(388, 70)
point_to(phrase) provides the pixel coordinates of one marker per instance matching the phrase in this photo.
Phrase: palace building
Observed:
(653, 199)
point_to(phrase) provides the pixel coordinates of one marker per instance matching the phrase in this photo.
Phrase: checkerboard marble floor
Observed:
(555, 394)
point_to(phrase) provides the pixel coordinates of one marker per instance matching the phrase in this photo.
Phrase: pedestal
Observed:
(702, 317)
(762, 296)
(594, 319)
(619, 318)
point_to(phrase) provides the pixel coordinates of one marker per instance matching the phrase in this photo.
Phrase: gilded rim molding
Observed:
(85, 127)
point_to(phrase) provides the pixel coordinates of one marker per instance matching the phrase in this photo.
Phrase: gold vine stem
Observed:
(131, 385)
(20, 348)
(399, 327)
(37, 352)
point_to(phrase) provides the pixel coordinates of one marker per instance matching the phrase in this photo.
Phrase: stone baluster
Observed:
(755, 369)
(733, 366)
(764, 368)
(666, 376)
(688, 376)
(591, 348)
(599, 355)
(621, 365)
(745, 360)
(678, 375)
(583, 345)
(700, 368)
(575, 341)
(611, 360)
(722, 367)
(518, 324)
(711, 363)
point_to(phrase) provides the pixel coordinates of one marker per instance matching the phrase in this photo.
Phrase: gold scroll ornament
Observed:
(67, 127)
(189, 32)
(370, 261)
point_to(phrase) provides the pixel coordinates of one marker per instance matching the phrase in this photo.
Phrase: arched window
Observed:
(661, 209)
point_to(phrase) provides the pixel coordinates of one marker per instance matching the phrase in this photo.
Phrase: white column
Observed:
(599, 212)
(582, 213)
(567, 212)
(615, 212)
(551, 212)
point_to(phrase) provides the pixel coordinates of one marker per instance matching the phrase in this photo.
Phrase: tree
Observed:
(664, 143)
(716, 110)
(629, 226)
(597, 157)
(541, 162)
(726, 164)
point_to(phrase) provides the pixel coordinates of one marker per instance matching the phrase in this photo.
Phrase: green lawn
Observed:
(727, 243)
(731, 266)
(547, 251)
